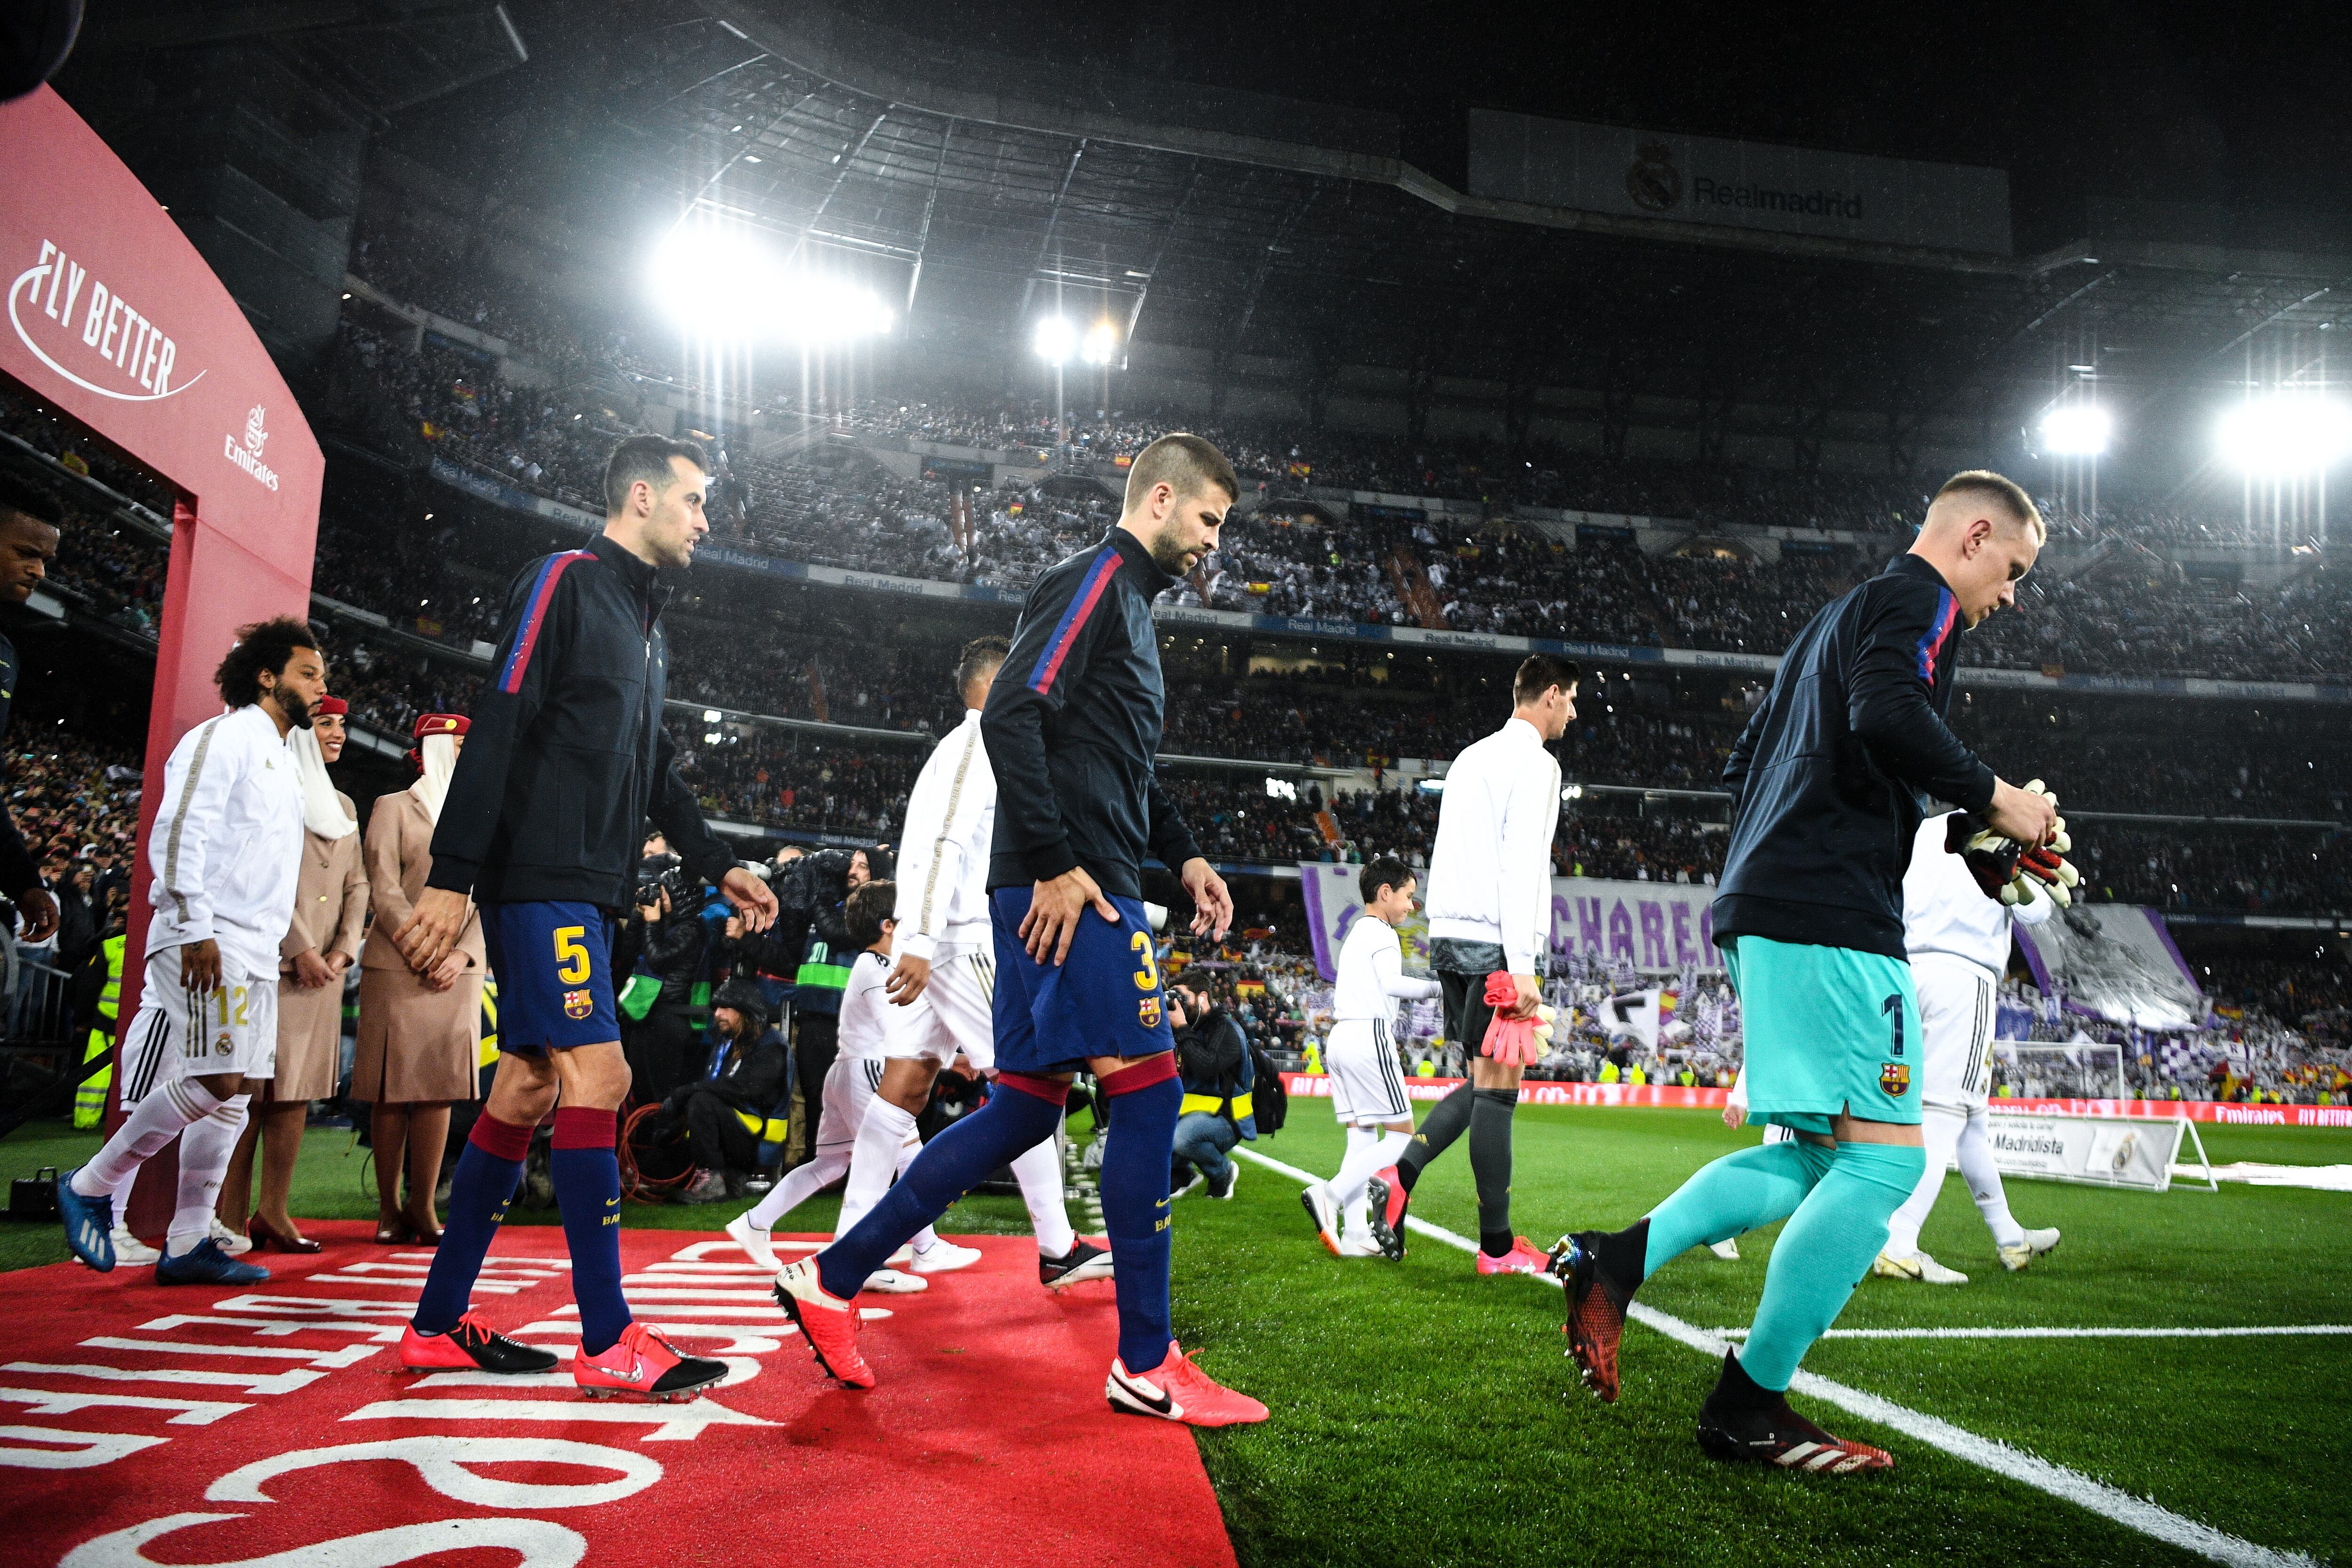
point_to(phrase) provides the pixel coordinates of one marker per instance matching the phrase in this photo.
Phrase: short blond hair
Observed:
(1187, 463)
(2003, 489)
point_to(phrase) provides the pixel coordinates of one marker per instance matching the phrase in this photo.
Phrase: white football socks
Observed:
(1983, 1176)
(882, 1140)
(156, 1122)
(204, 1149)
(1367, 1157)
(1039, 1172)
(800, 1184)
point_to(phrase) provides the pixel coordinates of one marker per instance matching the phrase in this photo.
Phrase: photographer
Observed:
(1213, 1060)
(669, 939)
(725, 1111)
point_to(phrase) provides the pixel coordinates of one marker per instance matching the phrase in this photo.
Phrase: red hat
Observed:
(331, 707)
(441, 724)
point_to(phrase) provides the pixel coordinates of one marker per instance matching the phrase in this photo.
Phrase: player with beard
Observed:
(565, 761)
(226, 851)
(1071, 724)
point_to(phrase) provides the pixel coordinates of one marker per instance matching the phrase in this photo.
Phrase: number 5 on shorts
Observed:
(571, 962)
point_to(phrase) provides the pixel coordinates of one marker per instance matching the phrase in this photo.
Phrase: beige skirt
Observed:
(309, 1033)
(414, 1043)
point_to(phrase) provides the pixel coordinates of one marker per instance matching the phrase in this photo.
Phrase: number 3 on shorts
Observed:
(1147, 978)
(571, 962)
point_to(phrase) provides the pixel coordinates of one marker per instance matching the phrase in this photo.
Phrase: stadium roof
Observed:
(1234, 223)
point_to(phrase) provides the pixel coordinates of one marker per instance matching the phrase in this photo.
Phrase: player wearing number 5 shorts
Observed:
(1071, 723)
(225, 852)
(1828, 782)
(564, 761)
(1958, 933)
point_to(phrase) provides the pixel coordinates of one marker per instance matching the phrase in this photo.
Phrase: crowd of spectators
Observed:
(839, 506)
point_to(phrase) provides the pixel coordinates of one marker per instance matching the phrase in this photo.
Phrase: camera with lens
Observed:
(657, 875)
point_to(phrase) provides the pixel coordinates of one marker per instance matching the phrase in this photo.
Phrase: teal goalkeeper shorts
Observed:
(1827, 1030)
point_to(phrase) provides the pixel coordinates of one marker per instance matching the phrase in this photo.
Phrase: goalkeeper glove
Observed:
(2006, 871)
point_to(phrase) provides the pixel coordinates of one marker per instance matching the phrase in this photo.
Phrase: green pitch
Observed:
(1423, 1414)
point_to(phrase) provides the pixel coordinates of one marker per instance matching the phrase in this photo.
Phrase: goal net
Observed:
(2080, 1071)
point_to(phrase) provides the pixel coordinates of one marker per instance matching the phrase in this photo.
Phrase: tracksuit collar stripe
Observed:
(542, 591)
(1074, 619)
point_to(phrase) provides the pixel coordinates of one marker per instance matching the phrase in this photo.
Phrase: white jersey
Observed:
(1372, 979)
(1490, 869)
(226, 848)
(1945, 912)
(859, 1027)
(943, 851)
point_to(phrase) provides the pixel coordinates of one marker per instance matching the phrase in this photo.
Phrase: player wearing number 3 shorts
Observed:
(565, 761)
(1959, 941)
(225, 851)
(1072, 721)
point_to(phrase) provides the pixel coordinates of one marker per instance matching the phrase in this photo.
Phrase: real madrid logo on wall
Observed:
(1651, 181)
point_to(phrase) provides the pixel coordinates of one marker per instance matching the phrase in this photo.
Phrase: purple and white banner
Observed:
(2115, 961)
(1656, 927)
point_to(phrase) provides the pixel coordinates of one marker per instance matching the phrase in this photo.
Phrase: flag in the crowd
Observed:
(1123, 461)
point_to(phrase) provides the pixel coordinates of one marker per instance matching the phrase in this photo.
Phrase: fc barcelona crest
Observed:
(578, 1004)
(1147, 1012)
(1895, 1077)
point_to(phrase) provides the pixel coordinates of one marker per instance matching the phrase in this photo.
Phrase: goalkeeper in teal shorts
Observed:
(1831, 780)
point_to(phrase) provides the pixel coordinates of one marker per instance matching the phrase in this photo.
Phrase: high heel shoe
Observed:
(423, 1235)
(265, 1234)
(393, 1232)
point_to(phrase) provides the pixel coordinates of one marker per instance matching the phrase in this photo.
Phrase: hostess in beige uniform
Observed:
(330, 905)
(415, 1042)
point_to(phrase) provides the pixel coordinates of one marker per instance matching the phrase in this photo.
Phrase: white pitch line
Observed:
(2257, 1332)
(2111, 1503)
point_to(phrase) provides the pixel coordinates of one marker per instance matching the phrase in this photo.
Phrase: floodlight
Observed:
(1102, 343)
(717, 281)
(2286, 434)
(1056, 339)
(2078, 430)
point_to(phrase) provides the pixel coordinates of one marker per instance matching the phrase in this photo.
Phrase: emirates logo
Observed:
(255, 436)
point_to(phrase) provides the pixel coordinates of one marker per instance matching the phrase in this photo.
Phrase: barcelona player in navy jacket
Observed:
(1071, 724)
(565, 761)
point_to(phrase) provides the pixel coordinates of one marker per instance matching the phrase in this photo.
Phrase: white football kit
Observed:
(1367, 1079)
(942, 908)
(226, 851)
(856, 1071)
(1958, 942)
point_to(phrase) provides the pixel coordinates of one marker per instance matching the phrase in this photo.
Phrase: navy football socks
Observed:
(587, 1173)
(1141, 1103)
(479, 1191)
(1021, 1112)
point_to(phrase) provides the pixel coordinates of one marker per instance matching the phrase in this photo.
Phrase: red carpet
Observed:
(211, 1427)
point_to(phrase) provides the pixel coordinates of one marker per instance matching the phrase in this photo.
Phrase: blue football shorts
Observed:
(1102, 1000)
(554, 968)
